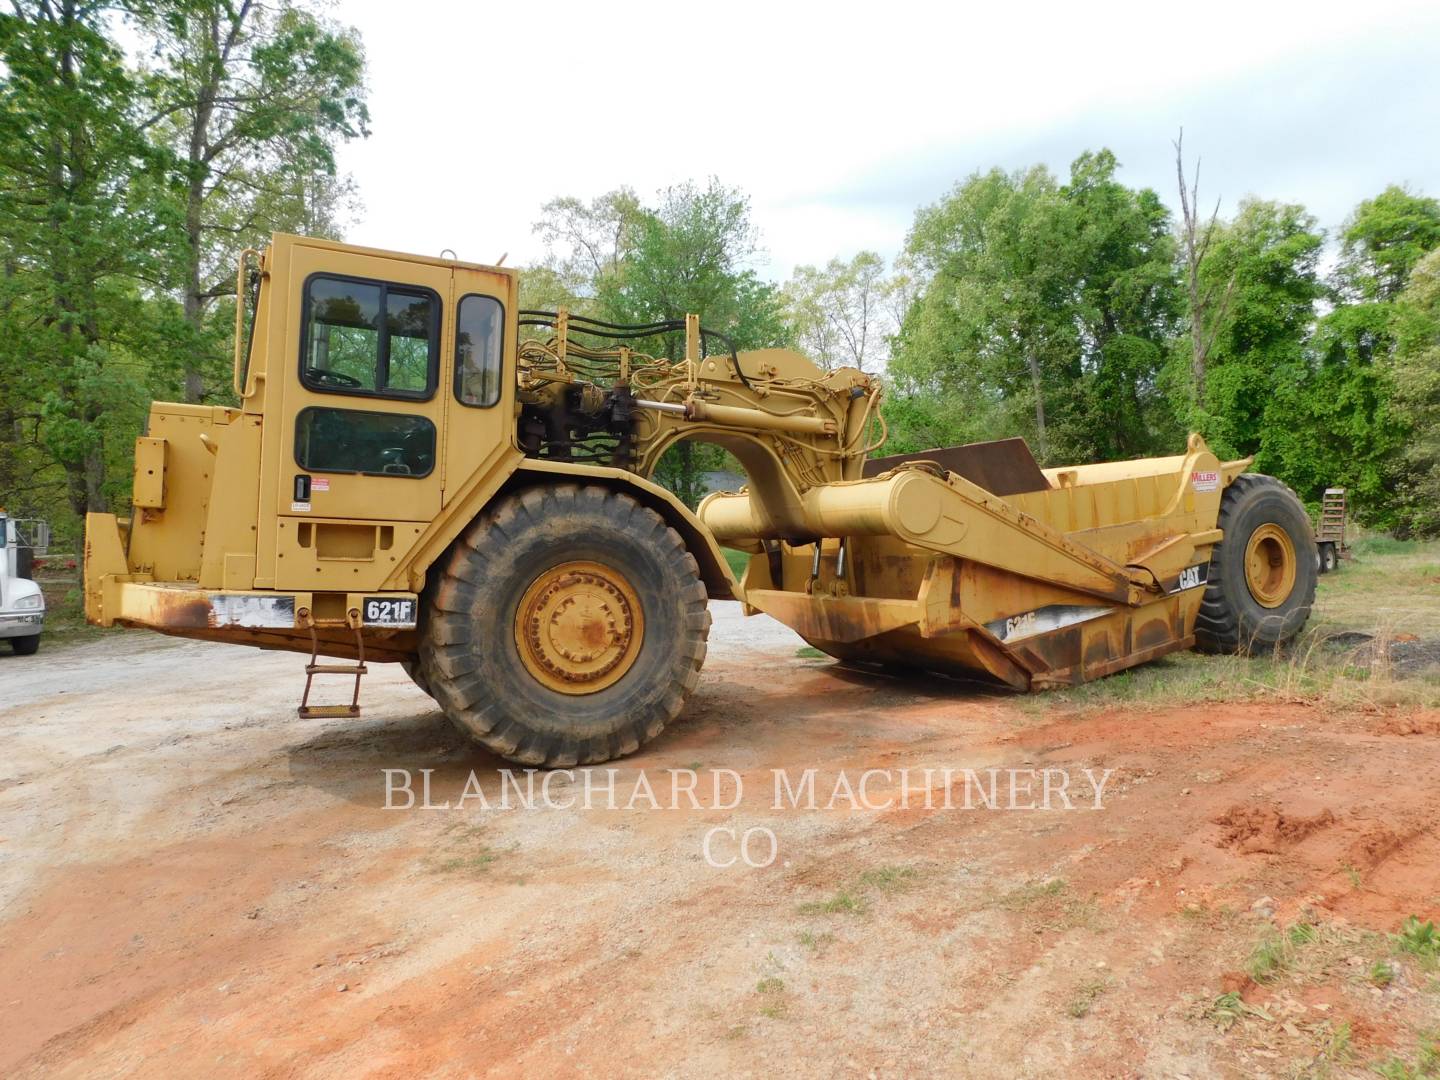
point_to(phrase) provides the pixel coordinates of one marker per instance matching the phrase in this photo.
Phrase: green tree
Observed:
(987, 325)
(1046, 309)
(1128, 306)
(1355, 437)
(1259, 374)
(89, 238)
(840, 313)
(1415, 377)
(253, 99)
(689, 254)
(1383, 241)
(587, 243)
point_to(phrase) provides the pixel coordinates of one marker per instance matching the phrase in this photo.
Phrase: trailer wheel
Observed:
(1262, 575)
(1328, 559)
(566, 626)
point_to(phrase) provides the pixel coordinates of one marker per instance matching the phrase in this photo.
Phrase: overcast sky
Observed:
(840, 119)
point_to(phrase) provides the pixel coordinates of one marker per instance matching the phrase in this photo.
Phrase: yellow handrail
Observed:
(238, 378)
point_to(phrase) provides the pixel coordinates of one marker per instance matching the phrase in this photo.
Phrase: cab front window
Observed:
(369, 337)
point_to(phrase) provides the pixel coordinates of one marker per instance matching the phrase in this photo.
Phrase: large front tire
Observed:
(566, 626)
(1262, 574)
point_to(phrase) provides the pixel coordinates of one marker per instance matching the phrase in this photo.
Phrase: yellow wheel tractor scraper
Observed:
(419, 472)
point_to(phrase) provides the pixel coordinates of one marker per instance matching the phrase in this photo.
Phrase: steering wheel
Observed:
(334, 378)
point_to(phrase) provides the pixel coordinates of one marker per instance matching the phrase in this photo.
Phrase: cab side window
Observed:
(369, 337)
(479, 329)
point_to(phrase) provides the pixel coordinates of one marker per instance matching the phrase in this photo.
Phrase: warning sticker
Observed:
(299, 508)
(1205, 481)
(320, 483)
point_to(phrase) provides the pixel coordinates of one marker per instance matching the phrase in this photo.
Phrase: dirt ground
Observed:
(195, 882)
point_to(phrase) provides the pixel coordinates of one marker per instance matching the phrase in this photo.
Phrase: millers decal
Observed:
(1205, 481)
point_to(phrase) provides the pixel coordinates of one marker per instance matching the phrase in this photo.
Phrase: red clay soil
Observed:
(230, 897)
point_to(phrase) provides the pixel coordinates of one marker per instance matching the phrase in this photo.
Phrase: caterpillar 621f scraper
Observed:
(419, 472)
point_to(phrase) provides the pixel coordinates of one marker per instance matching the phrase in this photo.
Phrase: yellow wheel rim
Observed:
(579, 627)
(1270, 565)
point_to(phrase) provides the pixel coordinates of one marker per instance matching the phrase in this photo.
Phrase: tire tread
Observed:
(448, 667)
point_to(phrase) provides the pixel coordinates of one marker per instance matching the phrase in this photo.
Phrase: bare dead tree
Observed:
(1207, 309)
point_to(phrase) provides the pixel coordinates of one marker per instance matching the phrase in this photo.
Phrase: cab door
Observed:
(480, 416)
(363, 406)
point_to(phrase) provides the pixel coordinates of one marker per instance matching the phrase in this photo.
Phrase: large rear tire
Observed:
(566, 626)
(1262, 574)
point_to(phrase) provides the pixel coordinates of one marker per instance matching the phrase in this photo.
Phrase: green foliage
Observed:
(1052, 311)
(843, 313)
(1277, 951)
(1048, 310)
(1383, 241)
(738, 561)
(1414, 375)
(87, 224)
(1419, 939)
(1425, 1067)
(126, 188)
(1229, 1008)
(252, 100)
(625, 262)
(1268, 255)
(844, 902)
(1359, 414)
(1083, 999)
(689, 254)
(682, 469)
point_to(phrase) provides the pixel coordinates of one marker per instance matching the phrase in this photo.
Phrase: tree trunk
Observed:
(95, 480)
(1207, 314)
(73, 283)
(1197, 348)
(1041, 439)
(197, 160)
(194, 312)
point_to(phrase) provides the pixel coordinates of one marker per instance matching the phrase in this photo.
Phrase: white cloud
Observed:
(839, 119)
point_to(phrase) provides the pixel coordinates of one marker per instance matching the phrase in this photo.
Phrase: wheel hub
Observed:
(1270, 565)
(579, 627)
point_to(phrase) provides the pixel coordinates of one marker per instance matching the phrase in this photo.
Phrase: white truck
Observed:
(22, 604)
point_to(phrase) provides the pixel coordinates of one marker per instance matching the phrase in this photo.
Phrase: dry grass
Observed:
(1390, 584)
(1052, 906)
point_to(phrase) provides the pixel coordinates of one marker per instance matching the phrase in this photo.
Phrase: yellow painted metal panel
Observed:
(148, 492)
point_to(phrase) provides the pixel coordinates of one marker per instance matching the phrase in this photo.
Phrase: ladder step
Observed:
(313, 668)
(308, 712)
